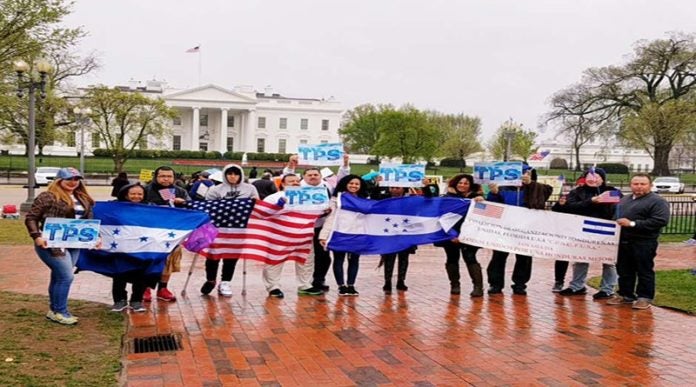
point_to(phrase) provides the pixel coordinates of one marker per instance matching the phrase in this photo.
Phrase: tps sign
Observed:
(71, 233)
(307, 198)
(322, 154)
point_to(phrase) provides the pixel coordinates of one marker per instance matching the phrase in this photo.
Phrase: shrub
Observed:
(614, 168)
(453, 162)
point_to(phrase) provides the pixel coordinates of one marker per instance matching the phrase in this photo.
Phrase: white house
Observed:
(597, 152)
(215, 118)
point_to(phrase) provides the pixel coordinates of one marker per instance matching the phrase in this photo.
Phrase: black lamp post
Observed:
(31, 82)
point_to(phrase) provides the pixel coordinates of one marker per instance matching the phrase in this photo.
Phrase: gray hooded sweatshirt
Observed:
(226, 190)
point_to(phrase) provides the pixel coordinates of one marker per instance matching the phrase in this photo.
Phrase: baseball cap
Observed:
(68, 173)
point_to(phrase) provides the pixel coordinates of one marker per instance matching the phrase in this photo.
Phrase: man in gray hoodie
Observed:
(232, 187)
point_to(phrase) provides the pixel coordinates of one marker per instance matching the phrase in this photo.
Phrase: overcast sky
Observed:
(493, 59)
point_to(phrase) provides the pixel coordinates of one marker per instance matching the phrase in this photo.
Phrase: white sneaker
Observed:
(691, 242)
(225, 288)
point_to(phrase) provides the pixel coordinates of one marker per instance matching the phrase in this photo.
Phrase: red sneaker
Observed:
(165, 295)
(147, 296)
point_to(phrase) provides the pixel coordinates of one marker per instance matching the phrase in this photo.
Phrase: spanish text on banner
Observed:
(541, 234)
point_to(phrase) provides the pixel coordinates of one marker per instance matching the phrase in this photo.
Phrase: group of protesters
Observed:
(641, 215)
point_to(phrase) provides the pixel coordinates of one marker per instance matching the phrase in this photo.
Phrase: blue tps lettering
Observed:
(494, 173)
(300, 197)
(394, 174)
(70, 232)
(319, 153)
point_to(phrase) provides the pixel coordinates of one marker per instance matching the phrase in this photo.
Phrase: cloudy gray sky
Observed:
(493, 59)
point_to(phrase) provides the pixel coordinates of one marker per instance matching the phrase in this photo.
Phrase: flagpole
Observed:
(200, 66)
(188, 278)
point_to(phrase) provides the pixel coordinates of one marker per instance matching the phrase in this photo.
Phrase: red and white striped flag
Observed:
(253, 229)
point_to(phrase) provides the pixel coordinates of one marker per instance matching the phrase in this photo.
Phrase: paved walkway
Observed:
(422, 337)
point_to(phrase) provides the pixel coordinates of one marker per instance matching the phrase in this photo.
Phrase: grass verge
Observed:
(674, 289)
(35, 351)
(13, 232)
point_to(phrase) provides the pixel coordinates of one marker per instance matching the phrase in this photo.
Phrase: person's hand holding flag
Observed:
(608, 197)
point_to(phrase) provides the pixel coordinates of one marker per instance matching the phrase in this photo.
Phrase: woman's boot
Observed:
(476, 279)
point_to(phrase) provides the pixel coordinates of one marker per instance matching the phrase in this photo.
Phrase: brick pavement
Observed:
(422, 337)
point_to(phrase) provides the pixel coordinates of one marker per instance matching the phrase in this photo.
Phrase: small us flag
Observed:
(254, 229)
(168, 194)
(609, 197)
(488, 210)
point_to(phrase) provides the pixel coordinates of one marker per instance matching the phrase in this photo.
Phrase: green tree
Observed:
(521, 142)
(361, 131)
(406, 133)
(659, 77)
(459, 134)
(124, 120)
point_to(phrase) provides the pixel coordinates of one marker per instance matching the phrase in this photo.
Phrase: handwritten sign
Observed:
(146, 175)
(322, 154)
(307, 198)
(541, 234)
(71, 233)
(401, 175)
(500, 172)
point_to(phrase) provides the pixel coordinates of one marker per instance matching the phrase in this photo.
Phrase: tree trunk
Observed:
(578, 167)
(661, 160)
(118, 163)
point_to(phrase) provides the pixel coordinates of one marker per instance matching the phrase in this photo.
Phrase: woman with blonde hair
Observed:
(66, 197)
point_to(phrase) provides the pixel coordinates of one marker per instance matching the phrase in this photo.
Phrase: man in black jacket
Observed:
(641, 216)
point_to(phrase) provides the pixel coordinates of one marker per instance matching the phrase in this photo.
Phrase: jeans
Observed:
(322, 261)
(521, 273)
(636, 263)
(579, 280)
(353, 266)
(211, 268)
(61, 277)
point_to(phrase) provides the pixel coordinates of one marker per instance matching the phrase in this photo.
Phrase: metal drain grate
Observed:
(159, 343)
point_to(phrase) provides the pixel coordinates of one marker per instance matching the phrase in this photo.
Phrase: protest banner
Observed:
(307, 198)
(320, 155)
(503, 173)
(71, 233)
(541, 234)
(146, 175)
(401, 175)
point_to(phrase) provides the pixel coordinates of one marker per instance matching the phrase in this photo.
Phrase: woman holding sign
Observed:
(348, 185)
(463, 186)
(66, 197)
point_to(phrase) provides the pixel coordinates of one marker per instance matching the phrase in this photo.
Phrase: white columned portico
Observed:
(222, 135)
(248, 136)
(196, 129)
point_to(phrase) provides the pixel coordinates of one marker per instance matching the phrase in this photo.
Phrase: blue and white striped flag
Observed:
(138, 237)
(598, 227)
(387, 226)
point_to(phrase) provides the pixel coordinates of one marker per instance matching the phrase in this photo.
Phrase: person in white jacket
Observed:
(303, 271)
(232, 187)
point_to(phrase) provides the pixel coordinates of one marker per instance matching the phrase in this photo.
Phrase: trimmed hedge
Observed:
(614, 168)
(452, 162)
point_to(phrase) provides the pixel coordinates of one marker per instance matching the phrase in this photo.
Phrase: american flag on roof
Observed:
(253, 229)
(539, 155)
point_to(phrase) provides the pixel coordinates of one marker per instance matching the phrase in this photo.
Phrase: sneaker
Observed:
(324, 288)
(387, 288)
(601, 295)
(617, 299)
(352, 291)
(401, 286)
(570, 292)
(557, 287)
(455, 290)
(138, 307)
(642, 304)
(147, 296)
(207, 287)
(690, 242)
(61, 318)
(310, 292)
(165, 295)
(343, 291)
(225, 288)
(119, 306)
(277, 293)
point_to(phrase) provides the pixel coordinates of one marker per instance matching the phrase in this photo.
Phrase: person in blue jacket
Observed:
(531, 195)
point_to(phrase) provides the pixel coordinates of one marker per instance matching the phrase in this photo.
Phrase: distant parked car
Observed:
(667, 184)
(44, 175)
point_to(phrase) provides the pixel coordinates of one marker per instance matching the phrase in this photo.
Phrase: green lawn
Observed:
(674, 289)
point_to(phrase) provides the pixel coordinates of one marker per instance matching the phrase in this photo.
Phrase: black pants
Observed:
(322, 261)
(468, 252)
(389, 261)
(560, 268)
(211, 269)
(118, 288)
(636, 263)
(521, 273)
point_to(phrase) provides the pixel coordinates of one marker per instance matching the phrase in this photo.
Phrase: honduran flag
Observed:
(138, 237)
(387, 226)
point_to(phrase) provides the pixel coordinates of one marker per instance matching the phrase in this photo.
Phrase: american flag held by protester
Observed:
(253, 229)
(609, 197)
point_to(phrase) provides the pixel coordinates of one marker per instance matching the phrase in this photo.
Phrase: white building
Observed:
(240, 119)
(597, 152)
